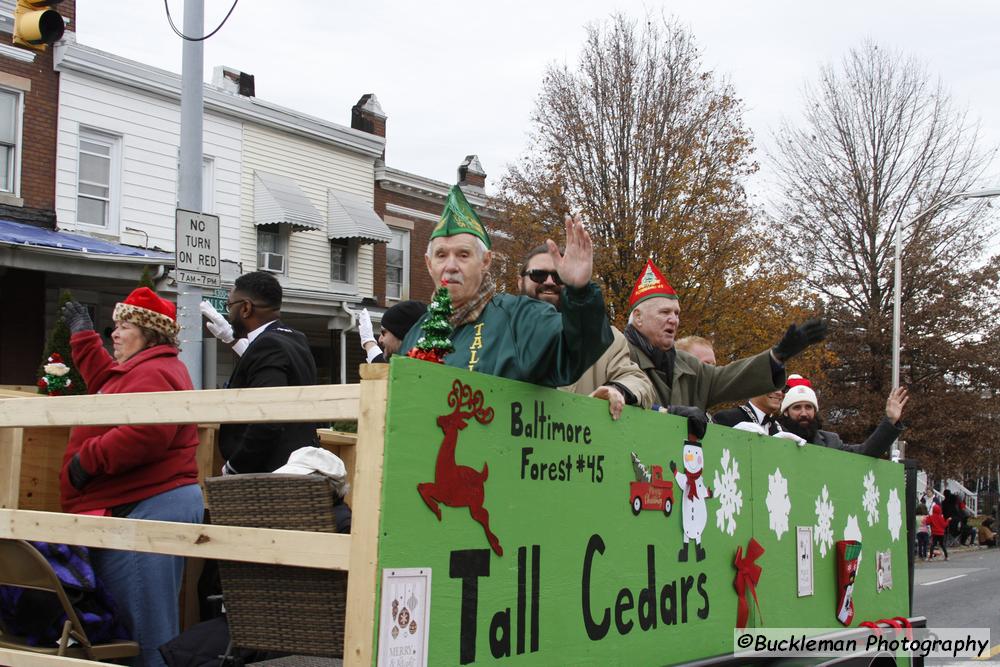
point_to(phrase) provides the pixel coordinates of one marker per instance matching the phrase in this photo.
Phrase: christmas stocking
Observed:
(848, 559)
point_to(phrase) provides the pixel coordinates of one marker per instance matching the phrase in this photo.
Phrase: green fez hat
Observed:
(459, 218)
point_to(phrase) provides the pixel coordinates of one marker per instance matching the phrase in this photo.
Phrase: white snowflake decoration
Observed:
(894, 514)
(870, 500)
(823, 534)
(729, 495)
(778, 504)
(852, 531)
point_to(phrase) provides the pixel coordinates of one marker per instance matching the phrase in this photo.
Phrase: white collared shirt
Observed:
(258, 331)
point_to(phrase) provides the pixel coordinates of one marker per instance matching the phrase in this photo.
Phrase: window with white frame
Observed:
(10, 106)
(397, 264)
(272, 248)
(94, 201)
(340, 260)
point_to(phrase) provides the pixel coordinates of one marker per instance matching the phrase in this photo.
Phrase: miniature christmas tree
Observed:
(434, 344)
(57, 346)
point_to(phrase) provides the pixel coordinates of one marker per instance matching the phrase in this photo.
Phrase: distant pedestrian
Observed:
(923, 531)
(938, 525)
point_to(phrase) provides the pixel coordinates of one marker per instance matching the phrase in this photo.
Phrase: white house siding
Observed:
(315, 167)
(148, 127)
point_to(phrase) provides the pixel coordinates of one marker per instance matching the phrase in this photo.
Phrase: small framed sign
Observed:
(404, 615)
(804, 559)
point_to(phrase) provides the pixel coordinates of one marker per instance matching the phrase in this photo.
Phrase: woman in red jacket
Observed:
(939, 525)
(139, 472)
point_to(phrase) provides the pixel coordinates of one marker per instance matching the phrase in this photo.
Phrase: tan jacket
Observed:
(616, 366)
(703, 386)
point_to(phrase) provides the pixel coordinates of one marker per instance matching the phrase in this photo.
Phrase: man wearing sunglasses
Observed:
(614, 378)
(276, 356)
(512, 336)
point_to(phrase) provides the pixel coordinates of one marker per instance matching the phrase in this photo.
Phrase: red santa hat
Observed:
(796, 380)
(145, 309)
(799, 394)
(650, 284)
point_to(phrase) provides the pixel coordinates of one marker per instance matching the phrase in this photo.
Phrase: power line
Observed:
(166, 6)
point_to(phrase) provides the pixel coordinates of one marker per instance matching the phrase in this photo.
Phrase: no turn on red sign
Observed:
(197, 260)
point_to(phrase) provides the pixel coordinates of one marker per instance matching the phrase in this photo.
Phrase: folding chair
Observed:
(23, 566)
(294, 610)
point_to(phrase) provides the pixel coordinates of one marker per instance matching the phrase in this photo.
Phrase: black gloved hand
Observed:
(76, 317)
(799, 337)
(78, 476)
(697, 419)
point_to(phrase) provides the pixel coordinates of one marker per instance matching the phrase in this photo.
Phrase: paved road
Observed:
(961, 593)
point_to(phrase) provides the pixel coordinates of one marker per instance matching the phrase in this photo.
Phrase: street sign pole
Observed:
(189, 177)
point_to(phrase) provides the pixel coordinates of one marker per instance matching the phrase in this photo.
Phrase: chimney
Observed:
(367, 115)
(233, 81)
(471, 175)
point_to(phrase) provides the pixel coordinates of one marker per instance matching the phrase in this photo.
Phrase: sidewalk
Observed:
(952, 552)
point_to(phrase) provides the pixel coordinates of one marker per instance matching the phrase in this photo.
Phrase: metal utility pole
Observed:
(189, 176)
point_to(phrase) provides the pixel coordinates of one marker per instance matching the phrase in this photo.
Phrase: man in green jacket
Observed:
(513, 336)
(614, 378)
(682, 380)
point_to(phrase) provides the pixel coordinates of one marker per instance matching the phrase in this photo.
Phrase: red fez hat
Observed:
(651, 283)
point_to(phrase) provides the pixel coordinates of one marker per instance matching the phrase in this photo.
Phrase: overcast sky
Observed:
(457, 78)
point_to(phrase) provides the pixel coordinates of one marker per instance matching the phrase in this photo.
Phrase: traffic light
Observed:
(36, 25)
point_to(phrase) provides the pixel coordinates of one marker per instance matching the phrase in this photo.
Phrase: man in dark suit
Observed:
(276, 356)
(761, 410)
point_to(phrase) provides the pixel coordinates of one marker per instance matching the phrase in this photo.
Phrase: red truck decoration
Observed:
(650, 491)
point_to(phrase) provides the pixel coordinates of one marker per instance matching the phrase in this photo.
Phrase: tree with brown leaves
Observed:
(650, 148)
(879, 142)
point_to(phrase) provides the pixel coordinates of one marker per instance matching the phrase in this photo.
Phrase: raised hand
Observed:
(576, 266)
(799, 337)
(76, 317)
(895, 403)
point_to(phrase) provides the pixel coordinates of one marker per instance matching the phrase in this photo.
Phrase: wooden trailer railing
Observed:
(355, 553)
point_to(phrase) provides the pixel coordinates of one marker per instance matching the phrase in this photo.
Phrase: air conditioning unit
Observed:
(271, 261)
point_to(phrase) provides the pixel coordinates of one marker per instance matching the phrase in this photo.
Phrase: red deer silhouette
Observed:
(455, 485)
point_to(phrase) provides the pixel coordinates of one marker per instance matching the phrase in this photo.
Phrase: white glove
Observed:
(216, 324)
(750, 427)
(788, 435)
(365, 327)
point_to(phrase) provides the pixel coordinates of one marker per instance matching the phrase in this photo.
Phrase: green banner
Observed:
(550, 543)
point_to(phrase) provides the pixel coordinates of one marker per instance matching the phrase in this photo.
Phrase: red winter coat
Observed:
(936, 521)
(128, 463)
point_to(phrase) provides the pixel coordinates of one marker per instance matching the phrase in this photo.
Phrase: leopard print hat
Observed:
(145, 309)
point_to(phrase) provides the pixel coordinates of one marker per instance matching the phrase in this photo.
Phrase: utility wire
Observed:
(166, 6)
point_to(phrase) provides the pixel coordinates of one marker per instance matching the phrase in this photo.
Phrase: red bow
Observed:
(896, 623)
(747, 576)
(692, 484)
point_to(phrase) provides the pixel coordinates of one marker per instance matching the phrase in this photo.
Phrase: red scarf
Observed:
(692, 490)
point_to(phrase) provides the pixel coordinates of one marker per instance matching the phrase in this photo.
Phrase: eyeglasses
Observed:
(230, 304)
(540, 275)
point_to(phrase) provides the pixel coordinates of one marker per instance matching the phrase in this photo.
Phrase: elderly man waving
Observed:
(513, 336)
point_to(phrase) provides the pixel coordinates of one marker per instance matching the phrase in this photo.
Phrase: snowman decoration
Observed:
(694, 493)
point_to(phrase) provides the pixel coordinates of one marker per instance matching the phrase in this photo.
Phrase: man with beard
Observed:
(682, 380)
(276, 356)
(800, 415)
(513, 336)
(614, 377)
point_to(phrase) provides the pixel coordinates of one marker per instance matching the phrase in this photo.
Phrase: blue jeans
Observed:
(147, 586)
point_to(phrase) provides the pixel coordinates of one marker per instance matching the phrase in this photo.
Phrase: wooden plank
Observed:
(41, 461)
(205, 455)
(14, 393)
(328, 437)
(11, 443)
(15, 658)
(327, 551)
(362, 576)
(227, 406)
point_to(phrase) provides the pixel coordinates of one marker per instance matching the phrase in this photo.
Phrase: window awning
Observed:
(278, 200)
(352, 217)
(20, 234)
